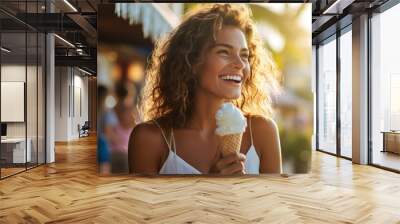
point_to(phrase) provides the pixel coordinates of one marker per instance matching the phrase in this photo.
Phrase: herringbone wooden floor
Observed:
(70, 191)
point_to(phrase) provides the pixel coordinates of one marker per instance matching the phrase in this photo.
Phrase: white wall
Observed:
(61, 104)
(81, 100)
(12, 73)
(71, 93)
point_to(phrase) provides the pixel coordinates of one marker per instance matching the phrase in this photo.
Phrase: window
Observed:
(385, 88)
(22, 75)
(327, 96)
(346, 93)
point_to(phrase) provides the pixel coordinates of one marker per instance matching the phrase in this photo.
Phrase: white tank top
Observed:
(174, 164)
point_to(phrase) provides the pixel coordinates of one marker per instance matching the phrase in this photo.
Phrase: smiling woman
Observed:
(214, 56)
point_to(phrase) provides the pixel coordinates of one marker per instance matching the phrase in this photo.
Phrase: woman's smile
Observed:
(233, 79)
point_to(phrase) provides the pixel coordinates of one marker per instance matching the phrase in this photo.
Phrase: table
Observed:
(391, 141)
(13, 150)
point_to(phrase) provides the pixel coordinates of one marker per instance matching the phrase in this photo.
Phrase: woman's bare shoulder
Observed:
(147, 135)
(146, 129)
(261, 124)
(265, 134)
(146, 148)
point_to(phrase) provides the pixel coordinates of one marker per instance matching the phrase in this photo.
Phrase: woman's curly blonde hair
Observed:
(170, 84)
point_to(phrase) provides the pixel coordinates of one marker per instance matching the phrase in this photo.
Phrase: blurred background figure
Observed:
(125, 113)
(106, 129)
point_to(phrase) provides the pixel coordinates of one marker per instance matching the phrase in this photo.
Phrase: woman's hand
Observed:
(231, 164)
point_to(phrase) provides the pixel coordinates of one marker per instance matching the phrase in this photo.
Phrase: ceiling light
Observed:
(5, 49)
(70, 5)
(337, 7)
(84, 71)
(65, 41)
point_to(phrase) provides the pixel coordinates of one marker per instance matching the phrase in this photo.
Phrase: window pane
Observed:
(41, 98)
(386, 89)
(31, 97)
(327, 97)
(14, 150)
(346, 94)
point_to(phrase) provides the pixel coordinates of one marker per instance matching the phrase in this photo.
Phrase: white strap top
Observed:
(174, 164)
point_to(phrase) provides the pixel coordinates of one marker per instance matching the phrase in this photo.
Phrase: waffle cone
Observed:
(230, 143)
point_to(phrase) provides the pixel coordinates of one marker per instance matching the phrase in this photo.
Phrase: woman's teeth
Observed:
(235, 78)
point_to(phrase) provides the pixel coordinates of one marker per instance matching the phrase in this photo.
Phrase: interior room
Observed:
(22, 102)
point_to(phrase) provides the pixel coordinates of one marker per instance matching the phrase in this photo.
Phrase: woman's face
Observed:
(226, 65)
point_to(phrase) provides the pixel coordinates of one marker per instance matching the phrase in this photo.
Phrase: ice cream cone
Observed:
(230, 143)
(230, 127)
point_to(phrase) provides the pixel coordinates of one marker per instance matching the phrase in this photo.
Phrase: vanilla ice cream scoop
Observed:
(230, 120)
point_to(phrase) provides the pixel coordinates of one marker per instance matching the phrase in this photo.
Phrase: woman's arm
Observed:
(266, 141)
(145, 149)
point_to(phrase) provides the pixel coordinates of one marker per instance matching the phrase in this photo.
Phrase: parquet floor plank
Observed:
(71, 191)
